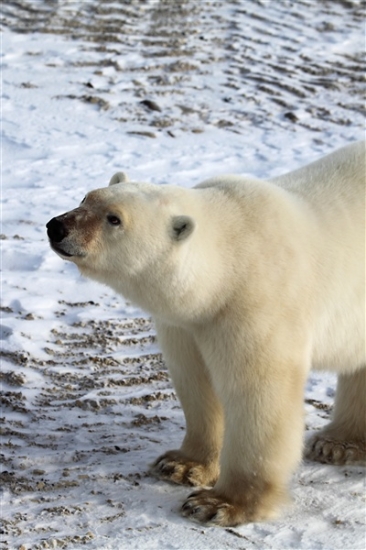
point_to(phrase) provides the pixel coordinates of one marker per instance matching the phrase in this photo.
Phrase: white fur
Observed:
(269, 283)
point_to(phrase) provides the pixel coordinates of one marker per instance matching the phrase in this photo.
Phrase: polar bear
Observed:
(251, 283)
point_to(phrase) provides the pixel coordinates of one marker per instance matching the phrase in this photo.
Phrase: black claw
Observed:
(189, 507)
(186, 506)
(166, 469)
(212, 516)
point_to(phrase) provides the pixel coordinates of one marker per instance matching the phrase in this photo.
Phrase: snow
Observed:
(251, 87)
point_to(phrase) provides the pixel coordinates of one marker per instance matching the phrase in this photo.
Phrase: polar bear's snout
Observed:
(66, 239)
(56, 230)
(57, 233)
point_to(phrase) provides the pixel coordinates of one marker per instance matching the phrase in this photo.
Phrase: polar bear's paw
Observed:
(207, 506)
(329, 450)
(210, 506)
(175, 467)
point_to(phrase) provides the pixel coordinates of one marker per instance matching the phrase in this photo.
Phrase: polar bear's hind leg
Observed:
(343, 441)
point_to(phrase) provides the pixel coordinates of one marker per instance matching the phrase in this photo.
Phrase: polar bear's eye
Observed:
(113, 220)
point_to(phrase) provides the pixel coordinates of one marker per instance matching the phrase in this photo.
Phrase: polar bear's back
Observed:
(333, 189)
(340, 175)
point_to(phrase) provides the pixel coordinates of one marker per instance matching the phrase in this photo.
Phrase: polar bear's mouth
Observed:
(60, 251)
(66, 254)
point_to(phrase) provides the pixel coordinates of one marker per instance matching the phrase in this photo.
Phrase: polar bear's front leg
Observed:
(196, 463)
(262, 397)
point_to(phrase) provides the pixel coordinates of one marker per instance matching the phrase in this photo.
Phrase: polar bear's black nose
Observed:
(56, 230)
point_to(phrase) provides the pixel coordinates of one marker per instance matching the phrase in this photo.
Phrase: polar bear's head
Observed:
(135, 237)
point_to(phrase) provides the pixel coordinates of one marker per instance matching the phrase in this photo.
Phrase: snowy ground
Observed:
(242, 86)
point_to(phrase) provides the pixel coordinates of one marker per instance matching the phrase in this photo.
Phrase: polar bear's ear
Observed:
(120, 177)
(182, 227)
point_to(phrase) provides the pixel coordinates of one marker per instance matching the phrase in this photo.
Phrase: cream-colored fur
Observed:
(251, 283)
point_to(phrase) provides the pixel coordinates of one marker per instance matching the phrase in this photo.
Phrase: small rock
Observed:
(29, 317)
(150, 105)
(145, 134)
(291, 116)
